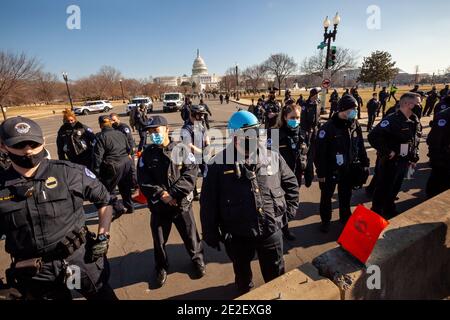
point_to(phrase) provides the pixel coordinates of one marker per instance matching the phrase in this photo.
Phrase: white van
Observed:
(136, 102)
(173, 101)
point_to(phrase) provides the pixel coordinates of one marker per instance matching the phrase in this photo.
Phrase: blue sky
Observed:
(145, 38)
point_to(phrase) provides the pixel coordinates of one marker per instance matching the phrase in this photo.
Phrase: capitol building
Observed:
(200, 76)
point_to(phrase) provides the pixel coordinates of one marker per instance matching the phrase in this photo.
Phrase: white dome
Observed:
(199, 67)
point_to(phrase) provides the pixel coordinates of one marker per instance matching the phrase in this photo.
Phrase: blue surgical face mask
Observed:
(352, 115)
(293, 123)
(157, 138)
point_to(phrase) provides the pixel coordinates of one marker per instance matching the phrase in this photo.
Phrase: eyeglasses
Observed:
(24, 144)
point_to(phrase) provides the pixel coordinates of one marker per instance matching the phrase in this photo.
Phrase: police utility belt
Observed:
(64, 249)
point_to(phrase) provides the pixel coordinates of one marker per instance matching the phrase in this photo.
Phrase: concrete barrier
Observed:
(412, 254)
(303, 283)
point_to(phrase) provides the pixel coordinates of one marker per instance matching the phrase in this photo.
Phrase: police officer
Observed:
(439, 152)
(373, 107)
(432, 98)
(358, 99)
(196, 138)
(258, 111)
(167, 173)
(206, 114)
(247, 197)
(126, 130)
(396, 140)
(334, 99)
(140, 119)
(75, 140)
(41, 213)
(291, 146)
(442, 105)
(444, 92)
(309, 123)
(271, 110)
(418, 108)
(112, 163)
(340, 157)
(300, 100)
(383, 97)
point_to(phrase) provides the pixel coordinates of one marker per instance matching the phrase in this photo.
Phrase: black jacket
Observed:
(75, 143)
(140, 119)
(34, 226)
(158, 171)
(395, 130)
(233, 203)
(310, 116)
(383, 96)
(373, 105)
(126, 130)
(111, 148)
(339, 143)
(439, 141)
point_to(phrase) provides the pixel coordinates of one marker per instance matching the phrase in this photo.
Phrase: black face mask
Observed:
(115, 125)
(27, 162)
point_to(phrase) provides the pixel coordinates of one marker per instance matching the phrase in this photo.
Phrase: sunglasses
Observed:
(24, 144)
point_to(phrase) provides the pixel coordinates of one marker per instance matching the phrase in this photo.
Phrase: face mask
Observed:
(115, 125)
(157, 138)
(293, 123)
(352, 115)
(27, 162)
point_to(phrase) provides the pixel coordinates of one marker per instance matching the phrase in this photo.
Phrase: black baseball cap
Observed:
(19, 129)
(156, 121)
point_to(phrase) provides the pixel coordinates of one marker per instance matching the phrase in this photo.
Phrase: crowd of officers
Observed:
(245, 206)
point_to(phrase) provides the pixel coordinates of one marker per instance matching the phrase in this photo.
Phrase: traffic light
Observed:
(332, 60)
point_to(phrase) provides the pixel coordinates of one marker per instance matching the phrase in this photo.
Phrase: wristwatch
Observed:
(103, 237)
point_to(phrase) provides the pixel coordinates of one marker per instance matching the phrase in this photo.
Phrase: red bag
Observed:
(361, 233)
(140, 198)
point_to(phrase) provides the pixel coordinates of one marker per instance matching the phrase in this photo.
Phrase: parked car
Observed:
(173, 101)
(93, 107)
(136, 102)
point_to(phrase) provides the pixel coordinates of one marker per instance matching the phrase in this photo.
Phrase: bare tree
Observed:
(46, 86)
(16, 70)
(280, 65)
(254, 75)
(228, 82)
(315, 65)
(106, 82)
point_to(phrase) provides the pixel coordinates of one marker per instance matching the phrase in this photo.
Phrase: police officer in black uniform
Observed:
(383, 96)
(396, 140)
(432, 98)
(112, 163)
(441, 106)
(271, 110)
(75, 140)
(340, 159)
(291, 146)
(418, 110)
(41, 213)
(140, 120)
(334, 99)
(358, 99)
(439, 152)
(245, 203)
(444, 92)
(309, 123)
(208, 112)
(167, 173)
(373, 107)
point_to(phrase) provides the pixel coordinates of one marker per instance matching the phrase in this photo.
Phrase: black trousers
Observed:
(309, 171)
(327, 189)
(143, 139)
(241, 251)
(372, 117)
(382, 108)
(162, 218)
(122, 177)
(428, 109)
(389, 179)
(438, 182)
(48, 284)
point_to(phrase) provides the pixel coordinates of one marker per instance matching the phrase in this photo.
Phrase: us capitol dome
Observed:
(199, 67)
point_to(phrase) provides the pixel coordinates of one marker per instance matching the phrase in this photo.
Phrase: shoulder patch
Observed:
(442, 123)
(127, 131)
(89, 173)
(191, 157)
(384, 123)
(269, 143)
(322, 134)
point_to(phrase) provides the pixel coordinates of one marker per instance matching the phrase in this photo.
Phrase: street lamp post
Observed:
(345, 81)
(328, 37)
(237, 82)
(66, 79)
(121, 87)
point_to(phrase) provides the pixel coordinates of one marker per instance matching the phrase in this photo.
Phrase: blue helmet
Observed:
(242, 120)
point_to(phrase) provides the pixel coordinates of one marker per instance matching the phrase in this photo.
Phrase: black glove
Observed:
(8, 293)
(96, 248)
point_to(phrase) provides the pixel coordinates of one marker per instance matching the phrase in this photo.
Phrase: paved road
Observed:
(131, 250)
